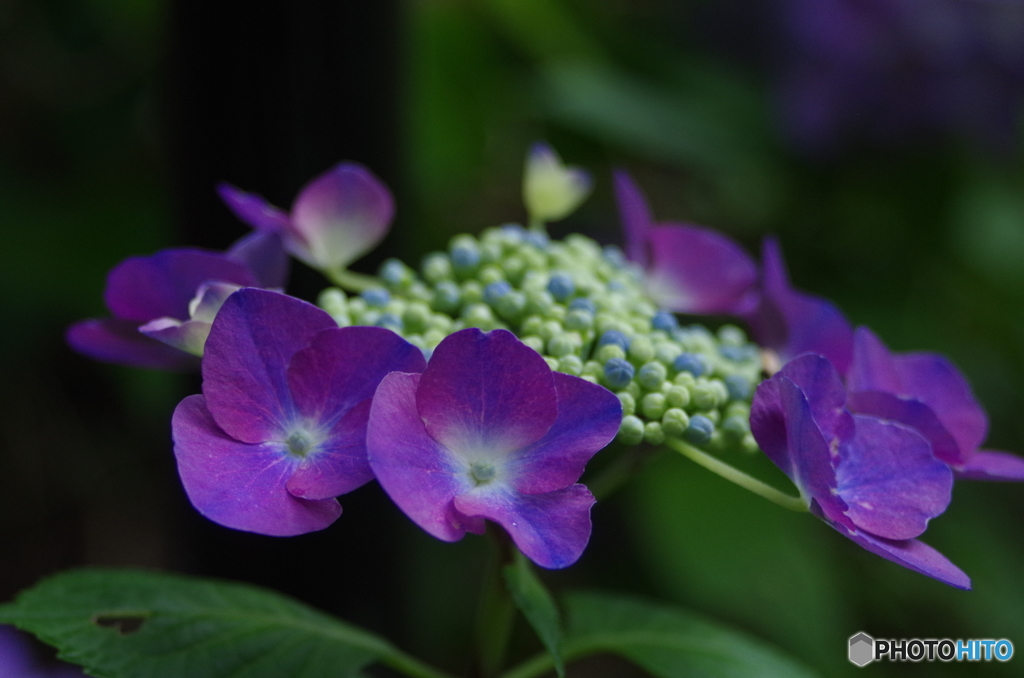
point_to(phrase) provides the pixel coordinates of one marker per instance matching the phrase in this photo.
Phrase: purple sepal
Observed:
(551, 529)
(16, 659)
(339, 465)
(417, 472)
(636, 217)
(255, 211)
(791, 322)
(910, 553)
(247, 354)
(241, 485)
(912, 413)
(264, 254)
(188, 336)
(119, 341)
(992, 465)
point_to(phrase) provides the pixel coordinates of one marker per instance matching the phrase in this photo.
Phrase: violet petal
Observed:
(188, 336)
(418, 473)
(263, 253)
(342, 214)
(254, 210)
(247, 354)
(873, 367)
(825, 393)
(551, 529)
(912, 413)
(890, 480)
(588, 419)
(239, 485)
(697, 270)
(338, 465)
(119, 341)
(162, 285)
(768, 425)
(486, 392)
(15, 653)
(636, 217)
(991, 465)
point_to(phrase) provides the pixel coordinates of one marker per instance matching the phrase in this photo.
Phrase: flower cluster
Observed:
(478, 386)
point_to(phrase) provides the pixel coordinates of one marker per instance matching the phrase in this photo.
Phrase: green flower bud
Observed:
(652, 375)
(564, 344)
(633, 389)
(631, 430)
(678, 396)
(641, 350)
(446, 297)
(675, 422)
(556, 312)
(609, 351)
(570, 364)
(749, 445)
(472, 292)
(478, 315)
(734, 428)
(667, 351)
(628, 403)
(441, 323)
(730, 335)
(433, 337)
(531, 325)
(514, 268)
(511, 306)
(685, 379)
(416, 316)
(335, 303)
(653, 405)
(395, 274)
(704, 395)
(552, 363)
(653, 434)
(579, 319)
(551, 190)
(490, 274)
(539, 301)
(738, 408)
(437, 267)
(417, 291)
(593, 368)
(550, 329)
(490, 253)
(356, 308)
(534, 342)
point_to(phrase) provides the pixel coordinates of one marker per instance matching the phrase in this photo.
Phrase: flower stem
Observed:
(734, 475)
(351, 281)
(497, 609)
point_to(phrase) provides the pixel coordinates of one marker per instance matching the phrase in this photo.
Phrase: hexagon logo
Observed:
(862, 649)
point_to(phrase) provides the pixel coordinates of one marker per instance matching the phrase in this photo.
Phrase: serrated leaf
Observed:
(537, 605)
(667, 641)
(135, 624)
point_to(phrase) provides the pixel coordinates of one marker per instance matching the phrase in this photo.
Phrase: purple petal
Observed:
(263, 253)
(912, 413)
(119, 341)
(342, 214)
(991, 465)
(418, 473)
(551, 529)
(825, 393)
(188, 336)
(791, 322)
(162, 285)
(890, 480)
(588, 419)
(911, 554)
(246, 360)
(768, 425)
(486, 392)
(697, 270)
(254, 210)
(16, 660)
(636, 218)
(239, 485)
(873, 367)
(338, 465)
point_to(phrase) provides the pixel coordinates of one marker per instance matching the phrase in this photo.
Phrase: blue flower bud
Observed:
(694, 363)
(513, 233)
(614, 337)
(496, 290)
(395, 274)
(616, 286)
(376, 297)
(561, 286)
(739, 387)
(618, 372)
(614, 256)
(738, 354)
(465, 257)
(583, 304)
(700, 430)
(536, 238)
(390, 321)
(665, 321)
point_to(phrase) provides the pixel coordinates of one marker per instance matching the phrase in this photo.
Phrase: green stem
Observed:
(734, 475)
(411, 666)
(351, 281)
(497, 609)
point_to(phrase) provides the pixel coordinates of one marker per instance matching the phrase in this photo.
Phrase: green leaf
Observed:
(135, 624)
(667, 641)
(537, 605)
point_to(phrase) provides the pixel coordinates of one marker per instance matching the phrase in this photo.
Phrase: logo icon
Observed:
(862, 649)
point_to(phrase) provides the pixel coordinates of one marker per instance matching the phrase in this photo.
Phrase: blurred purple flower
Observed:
(489, 431)
(926, 392)
(17, 660)
(162, 304)
(280, 429)
(688, 269)
(337, 217)
(790, 322)
(875, 481)
(888, 70)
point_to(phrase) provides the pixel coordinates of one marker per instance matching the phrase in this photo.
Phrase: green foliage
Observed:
(537, 605)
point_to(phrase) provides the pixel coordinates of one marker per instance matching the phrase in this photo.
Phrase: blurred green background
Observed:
(117, 117)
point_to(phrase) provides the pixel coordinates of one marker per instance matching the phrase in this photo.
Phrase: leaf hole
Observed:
(125, 624)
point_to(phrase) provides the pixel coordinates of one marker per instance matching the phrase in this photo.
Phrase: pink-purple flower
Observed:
(926, 392)
(280, 429)
(488, 431)
(162, 305)
(874, 480)
(337, 217)
(688, 269)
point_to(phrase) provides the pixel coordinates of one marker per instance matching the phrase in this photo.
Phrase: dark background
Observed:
(118, 118)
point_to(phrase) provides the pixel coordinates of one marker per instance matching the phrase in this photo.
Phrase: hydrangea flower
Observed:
(552, 191)
(163, 304)
(488, 431)
(926, 392)
(280, 428)
(791, 322)
(337, 217)
(16, 660)
(688, 269)
(875, 481)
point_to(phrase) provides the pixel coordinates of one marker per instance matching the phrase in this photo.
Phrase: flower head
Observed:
(488, 431)
(163, 304)
(926, 392)
(875, 481)
(551, 190)
(791, 322)
(337, 217)
(280, 428)
(689, 269)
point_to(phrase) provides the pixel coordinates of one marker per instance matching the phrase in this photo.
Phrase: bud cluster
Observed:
(583, 308)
